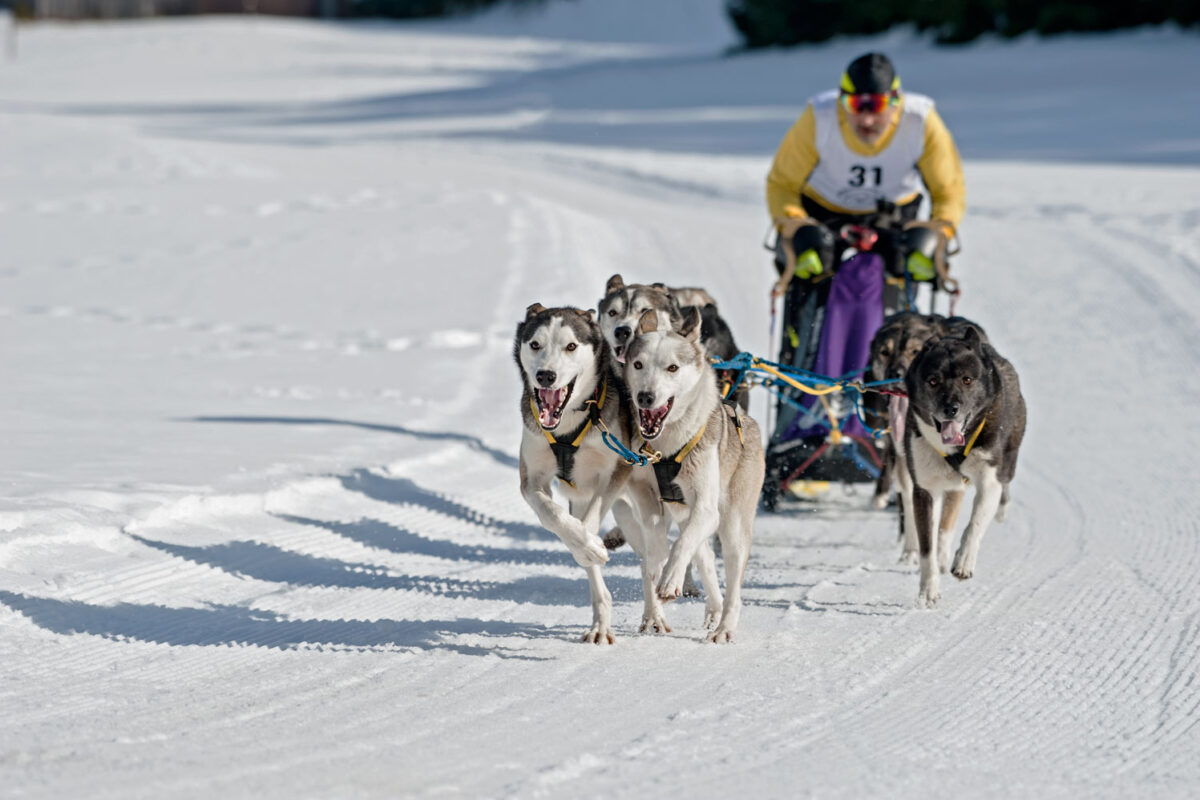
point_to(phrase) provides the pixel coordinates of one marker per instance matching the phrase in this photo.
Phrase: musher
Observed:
(856, 145)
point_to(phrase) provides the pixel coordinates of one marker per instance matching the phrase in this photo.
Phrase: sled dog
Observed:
(568, 393)
(623, 305)
(965, 423)
(709, 466)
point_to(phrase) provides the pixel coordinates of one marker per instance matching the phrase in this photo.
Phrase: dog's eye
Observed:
(637, 365)
(673, 368)
(612, 312)
(966, 380)
(571, 347)
(535, 346)
(934, 382)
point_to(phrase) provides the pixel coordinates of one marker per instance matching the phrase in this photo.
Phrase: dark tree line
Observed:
(763, 23)
(413, 9)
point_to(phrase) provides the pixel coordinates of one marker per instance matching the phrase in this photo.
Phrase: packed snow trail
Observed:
(260, 534)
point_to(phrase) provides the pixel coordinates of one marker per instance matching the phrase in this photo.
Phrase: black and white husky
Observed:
(965, 423)
(568, 394)
(710, 460)
(893, 350)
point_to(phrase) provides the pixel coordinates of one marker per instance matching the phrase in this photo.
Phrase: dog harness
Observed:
(667, 469)
(956, 459)
(564, 452)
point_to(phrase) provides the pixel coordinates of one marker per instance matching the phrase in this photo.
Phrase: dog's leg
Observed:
(883, 485)
(701, 523)
(951, 503)
(588, 552)
(987, 500)
(736, 530)
(705, 562)
(909, 549)
(1002, 511)
(591, 512)
(601, 632)
(930, 592)
(646, 531)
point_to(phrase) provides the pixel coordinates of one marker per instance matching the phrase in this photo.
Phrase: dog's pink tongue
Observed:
(897, 411)
(551, 399)
(952, 434)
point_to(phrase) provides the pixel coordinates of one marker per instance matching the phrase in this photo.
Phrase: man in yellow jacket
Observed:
(864, 142)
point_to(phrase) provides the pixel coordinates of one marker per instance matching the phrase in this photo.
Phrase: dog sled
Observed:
(829, 415)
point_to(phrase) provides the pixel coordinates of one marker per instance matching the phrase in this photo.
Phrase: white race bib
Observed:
(854, 182)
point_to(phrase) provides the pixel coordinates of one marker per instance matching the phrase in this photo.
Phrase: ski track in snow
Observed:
(382, 615)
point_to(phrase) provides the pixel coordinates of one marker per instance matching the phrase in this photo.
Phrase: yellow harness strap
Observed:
(687, 448)
(582, 431)
(974, 436)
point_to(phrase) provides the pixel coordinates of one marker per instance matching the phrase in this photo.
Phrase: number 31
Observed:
(859, 175)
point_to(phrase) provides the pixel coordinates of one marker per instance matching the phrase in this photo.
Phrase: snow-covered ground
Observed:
(260, 534)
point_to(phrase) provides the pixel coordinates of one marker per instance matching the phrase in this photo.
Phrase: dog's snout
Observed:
(645, 399)
(622, 333)
(950, 409)
(546, 378)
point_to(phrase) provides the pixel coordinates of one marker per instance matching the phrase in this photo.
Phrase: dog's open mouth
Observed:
(619, 353)
(650, 420)
(952, 433)
(551, 403)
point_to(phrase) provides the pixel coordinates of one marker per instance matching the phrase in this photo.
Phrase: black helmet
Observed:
(871, 73)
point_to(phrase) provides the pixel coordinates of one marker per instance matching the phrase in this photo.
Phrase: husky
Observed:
(896, 344)
(623, 305)
(965, 423)
(709, 458)
(567, 396)
(619, 312)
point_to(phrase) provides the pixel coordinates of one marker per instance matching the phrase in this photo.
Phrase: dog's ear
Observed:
(690, 328)
(588, 314)
(660, 285)
(971, 337)
(533, 310)
(649, 322)
(614, 283)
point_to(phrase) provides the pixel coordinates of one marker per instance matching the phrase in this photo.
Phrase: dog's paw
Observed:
(670, 586)
(712, 615)
(964, 566)
(929, 596)
(910, 557)
(669, 590)
(722, 635)
(654, 623)
(614, 539)
(690, 589)
(879, 502)
(590, 553)
(600, 634)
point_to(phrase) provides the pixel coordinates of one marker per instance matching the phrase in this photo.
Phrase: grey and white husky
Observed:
(710, 468)
(965, 423)
(567, 394)
(624, 304)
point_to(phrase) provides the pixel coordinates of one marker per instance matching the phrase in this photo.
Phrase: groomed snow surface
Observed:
(260, 533)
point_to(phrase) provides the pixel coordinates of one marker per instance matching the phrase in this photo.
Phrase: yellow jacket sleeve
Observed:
(794, 162)
(941, 170)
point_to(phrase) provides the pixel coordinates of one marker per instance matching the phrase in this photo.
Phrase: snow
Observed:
(260, 534)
